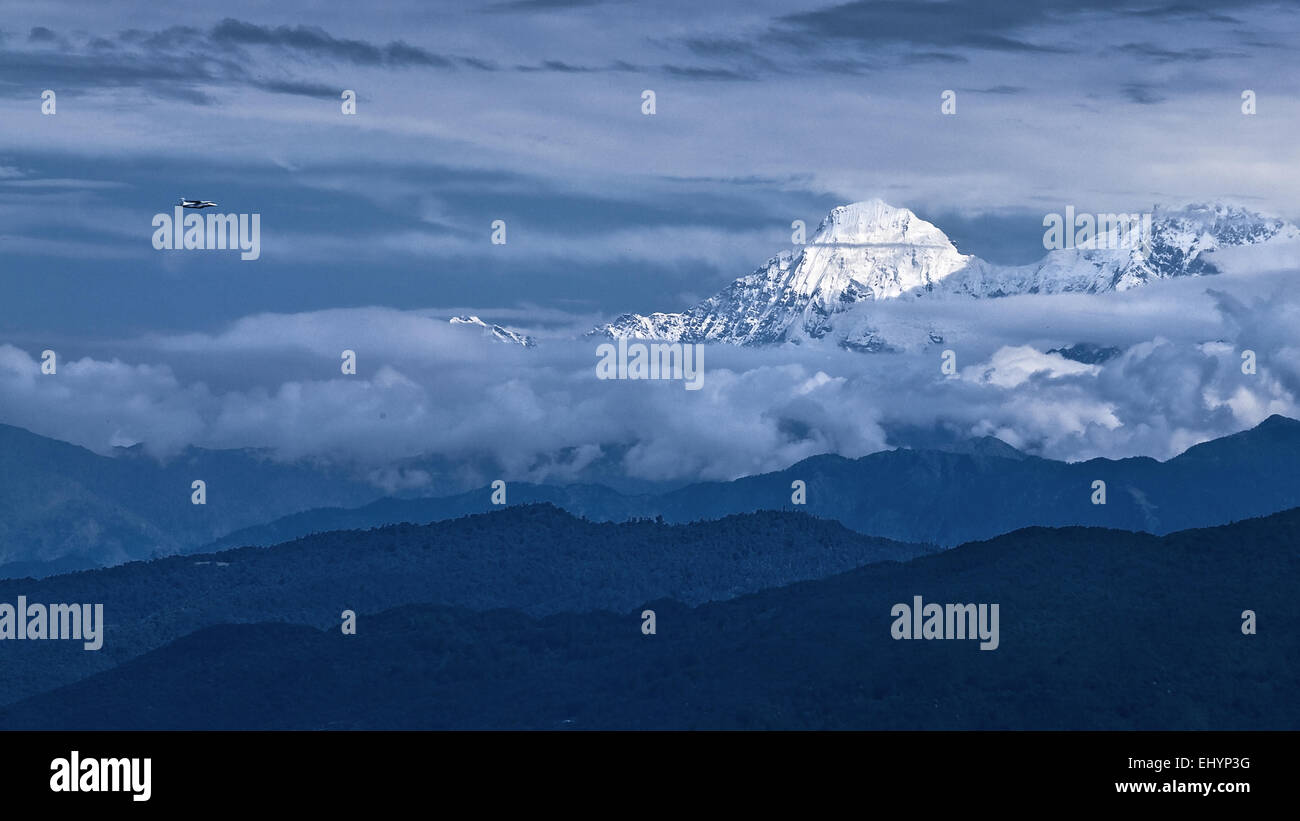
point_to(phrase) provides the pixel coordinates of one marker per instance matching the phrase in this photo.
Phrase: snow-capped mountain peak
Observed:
(872, 250)
(496, 331)
(868, 251)
(876, 222)
(864, 251)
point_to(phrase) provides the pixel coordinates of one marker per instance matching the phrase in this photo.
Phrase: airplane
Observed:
(196, 204)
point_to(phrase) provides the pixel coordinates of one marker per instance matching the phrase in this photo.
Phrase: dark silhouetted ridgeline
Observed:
(1099, 629)
(535, 559)
(974, 490)
(63, 508)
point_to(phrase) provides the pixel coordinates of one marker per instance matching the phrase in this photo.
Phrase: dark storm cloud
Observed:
(853, 67)
(1185, 10)
(720, 47)
(477, 63)
(317, 42)
(149, 60)
(935, 32)
(996, 90)
(977, 24)
(214, 57)
(1142, 94)
(700, 73)
(529, 6)
(1152, 53)
(302, 89)
(561, 67)
(40, 34)
(173, 37)
(947, 25)
(934, 57)
(80, 72)
(744, 57)
(994, 42)
(558, 65)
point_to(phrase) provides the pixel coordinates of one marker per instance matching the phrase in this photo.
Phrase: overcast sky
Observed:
(531, 112)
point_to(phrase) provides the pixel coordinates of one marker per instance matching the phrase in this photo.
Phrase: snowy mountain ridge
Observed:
(869, 251)
(496, 332)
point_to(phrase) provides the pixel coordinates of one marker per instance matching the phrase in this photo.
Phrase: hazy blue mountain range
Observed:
(534, 559)
(971, 490)
(65, 508)
(1099, 629)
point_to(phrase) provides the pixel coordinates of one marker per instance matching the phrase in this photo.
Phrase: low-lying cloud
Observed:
(425, 388)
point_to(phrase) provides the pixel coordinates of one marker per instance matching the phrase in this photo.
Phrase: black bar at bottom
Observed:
(335, 771)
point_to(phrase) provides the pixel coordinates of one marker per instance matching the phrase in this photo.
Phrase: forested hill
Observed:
(1099, 629)
(535, 559)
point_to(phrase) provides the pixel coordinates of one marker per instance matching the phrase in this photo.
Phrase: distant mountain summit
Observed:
(870, 251)
(496, 332)
(860, 252)
(1182, 244)
(1087, 352)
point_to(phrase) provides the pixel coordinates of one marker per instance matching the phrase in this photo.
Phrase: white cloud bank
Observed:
(425, 387)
